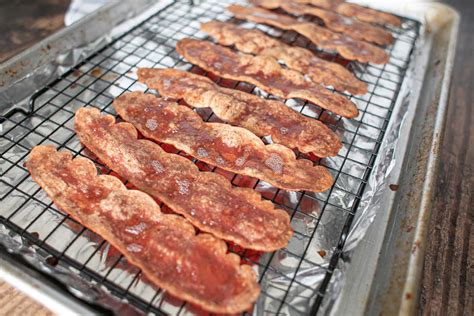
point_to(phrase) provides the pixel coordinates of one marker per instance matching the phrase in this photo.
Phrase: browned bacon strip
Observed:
(262, 117)
(356, 29)
(265, 73)
(348, 9)
(165, 247)
(326, 4)
(297, 58)
(366, 14)
(206, 199)
(320, 36)
(231, 148)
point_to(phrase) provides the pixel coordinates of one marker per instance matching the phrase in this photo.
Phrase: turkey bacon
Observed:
(324, 38)
(252, 41)
(356, 29)
(206, 199)
(352, 10)
(366, 14)
(260, 116)
(231, 148)
(264, 72)
(164, 246)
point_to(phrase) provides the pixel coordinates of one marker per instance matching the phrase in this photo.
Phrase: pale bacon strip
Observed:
(231, 148)
(253, 41)
(356, 29)
(164, 246)
(206, 199)
(265, 73)
(260, 116)
(320, 36)
(348, 9)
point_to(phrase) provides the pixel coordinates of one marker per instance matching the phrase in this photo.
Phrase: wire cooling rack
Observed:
(294, 280)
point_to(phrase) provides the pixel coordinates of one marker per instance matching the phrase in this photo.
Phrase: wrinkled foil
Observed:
(293, 274)
(371, 201)
(80, 8)
(76, 285)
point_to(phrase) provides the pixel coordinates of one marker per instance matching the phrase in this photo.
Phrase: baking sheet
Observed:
(330, 220)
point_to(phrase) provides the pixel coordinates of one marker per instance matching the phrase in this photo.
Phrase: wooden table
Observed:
(15, 303)
(448, 280)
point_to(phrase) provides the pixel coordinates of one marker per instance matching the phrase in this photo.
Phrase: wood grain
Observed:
(15, 303)
(448, 279)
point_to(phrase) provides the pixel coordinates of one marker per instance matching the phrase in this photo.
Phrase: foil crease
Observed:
(293, 274)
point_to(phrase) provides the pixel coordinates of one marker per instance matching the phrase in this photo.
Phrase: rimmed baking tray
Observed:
(358, 248)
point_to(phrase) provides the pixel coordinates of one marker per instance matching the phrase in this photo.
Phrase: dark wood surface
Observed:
(448, 278)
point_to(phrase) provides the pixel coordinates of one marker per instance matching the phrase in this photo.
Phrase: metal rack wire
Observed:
(27, 212)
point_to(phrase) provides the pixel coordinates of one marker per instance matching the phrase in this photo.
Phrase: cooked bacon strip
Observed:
(206, 199)
(356, 29)
(297, 58)
(265, 73)
(260, 116)
(231, 148)
(165, 247)
(366, 14)
(348, 9)
(326, 4)
(320, 36)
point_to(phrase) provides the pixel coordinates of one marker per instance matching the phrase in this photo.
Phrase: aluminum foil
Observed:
(291, 275)
(80, 8)
(76, 285)
(370, 203)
